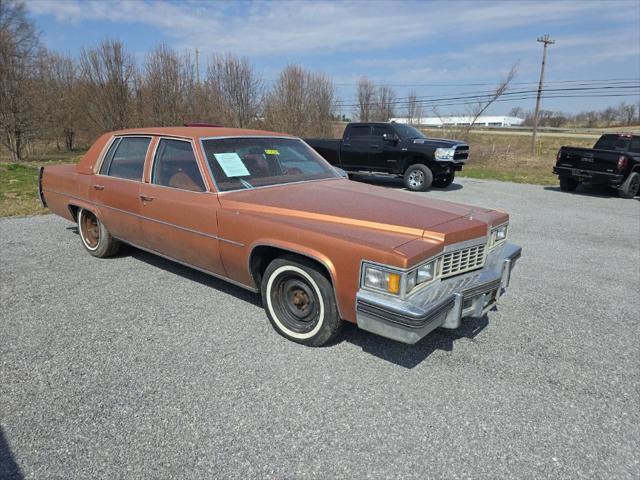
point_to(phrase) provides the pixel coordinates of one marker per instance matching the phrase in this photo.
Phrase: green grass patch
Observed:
(516, 176)
(19, 183)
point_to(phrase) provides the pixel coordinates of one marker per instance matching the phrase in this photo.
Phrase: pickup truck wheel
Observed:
(418, 178)
(94, 235)
(630, 187)
(568, 184)
(444, 181)
(300, 302)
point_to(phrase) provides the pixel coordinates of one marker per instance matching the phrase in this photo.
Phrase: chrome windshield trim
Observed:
(215, 182)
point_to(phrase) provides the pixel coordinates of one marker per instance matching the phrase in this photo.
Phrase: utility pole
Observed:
(546, 41)
(197, 67)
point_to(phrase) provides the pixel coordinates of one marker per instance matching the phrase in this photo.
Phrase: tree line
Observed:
(54, 98)
(623, 114)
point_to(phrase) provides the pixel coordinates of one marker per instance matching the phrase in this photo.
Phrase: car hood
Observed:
(363, 206)
(436, 142)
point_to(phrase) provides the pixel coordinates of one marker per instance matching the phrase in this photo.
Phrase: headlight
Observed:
(379, 278)
(499, 234)
(445, 153)
(386, 280)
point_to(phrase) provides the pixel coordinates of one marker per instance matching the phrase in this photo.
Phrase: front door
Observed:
(178, 213)
(354, 151)
(115, 189)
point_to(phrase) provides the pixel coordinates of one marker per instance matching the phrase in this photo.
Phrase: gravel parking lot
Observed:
(136, 367)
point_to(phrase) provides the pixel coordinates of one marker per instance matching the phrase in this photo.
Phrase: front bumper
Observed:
(443, 304)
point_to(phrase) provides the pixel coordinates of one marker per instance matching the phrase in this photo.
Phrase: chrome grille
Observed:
(463, 260)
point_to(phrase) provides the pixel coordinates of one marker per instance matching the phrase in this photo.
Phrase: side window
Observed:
(635, 145)
(175, 166)
(359, 132)
(126, 158)
(104, 168)
(378, 131)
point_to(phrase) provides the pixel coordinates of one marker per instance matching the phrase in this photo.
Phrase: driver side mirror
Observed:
(390, 138)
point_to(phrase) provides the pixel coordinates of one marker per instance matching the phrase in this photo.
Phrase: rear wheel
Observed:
(418, 178)
(568, 184)
(444, 181)
(94, 235)
(299, 301)
(630, 187)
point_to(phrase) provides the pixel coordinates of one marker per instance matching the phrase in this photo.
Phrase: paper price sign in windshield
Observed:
(231, 164)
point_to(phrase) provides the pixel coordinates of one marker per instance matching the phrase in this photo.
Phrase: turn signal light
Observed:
(394, 283)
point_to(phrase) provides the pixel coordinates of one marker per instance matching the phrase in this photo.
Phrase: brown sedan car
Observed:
(267, 213)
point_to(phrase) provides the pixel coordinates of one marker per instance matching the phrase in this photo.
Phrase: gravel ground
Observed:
(168, 373)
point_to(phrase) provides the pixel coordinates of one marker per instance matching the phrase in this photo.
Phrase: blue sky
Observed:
(436, 48)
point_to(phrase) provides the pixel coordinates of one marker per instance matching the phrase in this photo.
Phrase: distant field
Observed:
(19, 183)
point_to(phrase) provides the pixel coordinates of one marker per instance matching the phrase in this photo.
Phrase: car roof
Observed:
(198, 132)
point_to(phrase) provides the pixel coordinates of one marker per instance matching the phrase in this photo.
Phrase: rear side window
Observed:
(175, 166)
(125, 158)
(635, 145)
(359, 132)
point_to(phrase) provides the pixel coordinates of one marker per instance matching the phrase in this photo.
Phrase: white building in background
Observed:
(483, 121)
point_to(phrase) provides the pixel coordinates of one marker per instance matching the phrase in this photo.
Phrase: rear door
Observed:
(354, 153)
(115, 189)
(383, 154)
(178, 210)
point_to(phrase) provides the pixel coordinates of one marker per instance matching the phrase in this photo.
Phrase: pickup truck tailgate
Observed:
(589, 159)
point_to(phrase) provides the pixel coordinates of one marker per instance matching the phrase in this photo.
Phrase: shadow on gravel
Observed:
(395, 182)
(9, 469)
(599, 191)
(190, 274)
(409, 356)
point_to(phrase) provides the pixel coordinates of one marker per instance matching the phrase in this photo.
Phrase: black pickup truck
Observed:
(395, 149)
(614, 160)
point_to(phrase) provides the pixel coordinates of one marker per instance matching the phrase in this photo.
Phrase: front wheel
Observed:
(95, 237)
(630, 187)
(568, 184)
(299, 301)
(418, 178)
(444, 181)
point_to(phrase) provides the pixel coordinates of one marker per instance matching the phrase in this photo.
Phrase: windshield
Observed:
(239, 163)
(407, 131)
(613, 142)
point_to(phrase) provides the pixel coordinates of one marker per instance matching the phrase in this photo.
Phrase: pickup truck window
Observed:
(379, 131)
(175, 166)
(239, 163)
(358, 132)
(407, 131)
(125, 158)
(635, 145)
(613, 142)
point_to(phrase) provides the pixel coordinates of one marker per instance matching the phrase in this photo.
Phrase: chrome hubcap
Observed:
(416, 178)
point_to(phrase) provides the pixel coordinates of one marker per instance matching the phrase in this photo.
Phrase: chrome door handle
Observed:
(145, 198)
(98, 187)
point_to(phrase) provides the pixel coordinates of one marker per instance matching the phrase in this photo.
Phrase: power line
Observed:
(436, 84)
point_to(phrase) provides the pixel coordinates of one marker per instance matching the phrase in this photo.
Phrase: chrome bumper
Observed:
(443, 304)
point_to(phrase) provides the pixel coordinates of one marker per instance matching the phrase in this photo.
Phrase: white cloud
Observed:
(294, 27)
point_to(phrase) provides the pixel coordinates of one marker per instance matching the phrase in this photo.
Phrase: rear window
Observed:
(125, 158)
(613, 142)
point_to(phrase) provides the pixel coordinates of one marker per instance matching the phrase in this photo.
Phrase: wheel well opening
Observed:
(74, 211)
(263, 255)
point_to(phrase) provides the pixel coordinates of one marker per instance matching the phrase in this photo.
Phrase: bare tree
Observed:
(385, 104)
(19, 47)
(478, 108)
(626, 113)
(413, 108)
(300, 103)
(108, 76)
(234, 80)
(517, 112)
(164, 87)
(366, 98)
